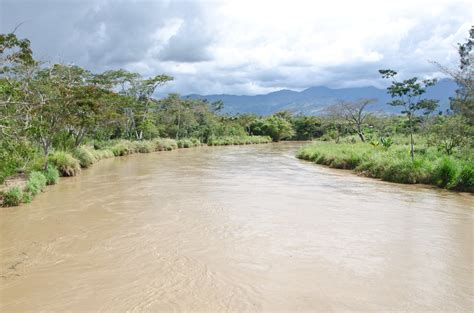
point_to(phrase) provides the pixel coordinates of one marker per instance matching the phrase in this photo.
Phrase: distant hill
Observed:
(314, 100)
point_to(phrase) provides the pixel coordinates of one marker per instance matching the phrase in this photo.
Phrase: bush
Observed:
(51, 175)
(446, 173)
(13, 197)
(27, 197)
(103, 154)
(237, 140)
(188, 143)
(85, 156)
(66, 164)
(466, 178)
(164, 144)
(122, 148)
(144, 146)
(35, 183)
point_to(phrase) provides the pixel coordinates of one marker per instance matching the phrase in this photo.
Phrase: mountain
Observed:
(315, 99)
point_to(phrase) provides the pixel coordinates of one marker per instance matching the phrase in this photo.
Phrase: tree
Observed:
(246, 120)
(276, 127)
(407, 94)
(140, 106)
(452, 132)
(353, 114)
(463, 102)
(307, 127)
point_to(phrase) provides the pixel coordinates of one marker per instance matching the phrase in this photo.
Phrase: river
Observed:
(236, 228)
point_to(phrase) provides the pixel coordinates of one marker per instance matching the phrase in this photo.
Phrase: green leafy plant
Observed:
(13, 197)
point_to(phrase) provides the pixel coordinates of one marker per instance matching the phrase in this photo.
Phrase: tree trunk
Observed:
(179, 122)
(412, 142)
(46, 154)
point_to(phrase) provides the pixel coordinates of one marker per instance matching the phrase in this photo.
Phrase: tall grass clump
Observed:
(465, 180)
(394, 164)
(85, 156)
(144, 146)
(188, 143)
(103, 154)
(446, 173)
(66, 164)
(237, 140)
(51, 175)
(13, 197)
(123, 147)
(164, 144)
(35, 183)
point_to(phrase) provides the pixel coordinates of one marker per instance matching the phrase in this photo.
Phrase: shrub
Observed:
(237, 140)
(13, 197)
(185, 143)
(164, 144)
(51, 175)
(196, 142)
(122, 148)
(445, 173)
(145, 146)
(103, 154)
(35, 183)
(466, 178)
(27, 197)
(66, 164)
(85, 156)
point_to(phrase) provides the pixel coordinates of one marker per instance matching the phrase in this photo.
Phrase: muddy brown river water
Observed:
(247, 228)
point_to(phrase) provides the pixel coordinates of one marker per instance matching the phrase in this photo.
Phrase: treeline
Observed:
(60, 107)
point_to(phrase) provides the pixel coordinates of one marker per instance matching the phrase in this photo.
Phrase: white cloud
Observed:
(246, 47)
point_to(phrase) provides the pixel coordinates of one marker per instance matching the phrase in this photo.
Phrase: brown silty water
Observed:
(233, 229)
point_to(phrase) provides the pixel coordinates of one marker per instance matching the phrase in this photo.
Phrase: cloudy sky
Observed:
(246, 47)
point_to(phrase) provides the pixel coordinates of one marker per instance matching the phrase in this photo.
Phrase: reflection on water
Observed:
(236, 228)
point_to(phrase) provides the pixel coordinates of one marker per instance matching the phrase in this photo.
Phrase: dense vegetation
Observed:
(416, 147)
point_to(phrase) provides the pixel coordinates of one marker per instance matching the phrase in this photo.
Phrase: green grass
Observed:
(238, 140)
(394, 164)
(123, 147)
(35, 183)
(188, 143)
(102, 154)
(85, 156)
(164, 144)
(13, 197)
(51, 175)
(144, 146)
(66, 164)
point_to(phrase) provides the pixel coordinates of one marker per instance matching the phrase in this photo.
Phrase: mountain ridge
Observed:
(314, 100)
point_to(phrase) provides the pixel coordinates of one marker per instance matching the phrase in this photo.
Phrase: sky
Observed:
(246, 47)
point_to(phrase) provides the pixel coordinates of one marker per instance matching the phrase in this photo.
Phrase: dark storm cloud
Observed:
(211, 48)
(189, 44)
(104, 34)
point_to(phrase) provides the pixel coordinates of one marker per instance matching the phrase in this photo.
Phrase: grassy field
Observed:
(394, 164)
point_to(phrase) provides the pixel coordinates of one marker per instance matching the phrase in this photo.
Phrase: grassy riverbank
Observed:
(23, 187)
(394, 164)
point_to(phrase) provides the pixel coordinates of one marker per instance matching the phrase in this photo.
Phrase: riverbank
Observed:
(393, 164)
(23, 187)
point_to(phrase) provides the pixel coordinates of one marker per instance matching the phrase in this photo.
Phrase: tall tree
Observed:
(408, 95)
